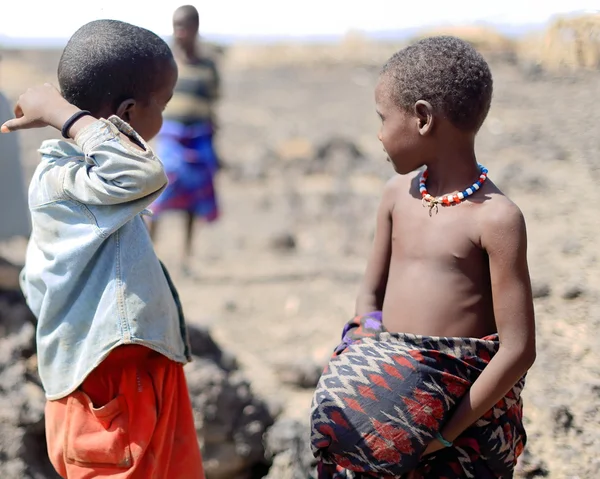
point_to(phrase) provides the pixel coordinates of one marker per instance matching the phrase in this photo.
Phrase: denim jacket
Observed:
(91, 275)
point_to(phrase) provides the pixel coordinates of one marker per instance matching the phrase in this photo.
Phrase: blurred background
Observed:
(275, 278)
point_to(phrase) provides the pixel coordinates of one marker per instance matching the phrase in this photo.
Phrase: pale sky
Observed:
(60, 18)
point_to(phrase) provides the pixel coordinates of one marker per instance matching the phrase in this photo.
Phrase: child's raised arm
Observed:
(504, 238)
(117, 169)
(372, 289)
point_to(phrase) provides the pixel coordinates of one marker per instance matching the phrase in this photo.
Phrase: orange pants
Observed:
(130, 419)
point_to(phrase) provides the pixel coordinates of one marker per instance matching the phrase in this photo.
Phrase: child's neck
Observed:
(188, 54)
(452, 170)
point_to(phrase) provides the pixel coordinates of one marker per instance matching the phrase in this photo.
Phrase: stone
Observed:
(203, 345)
(573, 291)
(540, 290)
(288, 446)
(22, 400)
(230, 419)
(529, 467)
(284, 242)
(563, 419)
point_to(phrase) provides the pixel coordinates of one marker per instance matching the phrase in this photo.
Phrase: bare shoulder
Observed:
(499, 217)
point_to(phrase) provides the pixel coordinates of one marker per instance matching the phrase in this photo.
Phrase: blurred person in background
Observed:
(185, 142)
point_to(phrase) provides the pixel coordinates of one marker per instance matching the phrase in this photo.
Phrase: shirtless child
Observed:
(410, 390)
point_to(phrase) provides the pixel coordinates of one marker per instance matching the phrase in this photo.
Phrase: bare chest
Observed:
(448, 239)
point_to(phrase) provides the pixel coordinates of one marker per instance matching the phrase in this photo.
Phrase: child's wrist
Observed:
(61, 114)
(442, 440)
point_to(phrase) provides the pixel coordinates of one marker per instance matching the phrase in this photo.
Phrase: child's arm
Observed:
(372, 289)
(116, 170)
(504, 238)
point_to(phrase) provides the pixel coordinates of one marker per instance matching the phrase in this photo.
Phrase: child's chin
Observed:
(398, 169)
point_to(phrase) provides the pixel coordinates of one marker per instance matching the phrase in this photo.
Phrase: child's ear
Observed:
(126, 109)
(425, 118)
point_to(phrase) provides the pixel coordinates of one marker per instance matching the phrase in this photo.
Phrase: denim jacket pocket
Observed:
(97, 437)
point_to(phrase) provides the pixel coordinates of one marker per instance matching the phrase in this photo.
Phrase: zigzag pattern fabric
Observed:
(383, 396)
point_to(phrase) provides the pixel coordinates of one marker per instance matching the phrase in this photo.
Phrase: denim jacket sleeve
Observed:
(113, 172)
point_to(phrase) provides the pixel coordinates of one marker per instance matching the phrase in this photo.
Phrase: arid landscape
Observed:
(275, 279)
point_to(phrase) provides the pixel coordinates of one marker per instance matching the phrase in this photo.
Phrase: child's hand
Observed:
(38, 107)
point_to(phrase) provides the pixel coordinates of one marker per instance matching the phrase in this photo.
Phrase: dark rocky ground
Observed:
(276, 277)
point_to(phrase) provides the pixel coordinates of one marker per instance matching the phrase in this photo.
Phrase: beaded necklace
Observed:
(447, 200)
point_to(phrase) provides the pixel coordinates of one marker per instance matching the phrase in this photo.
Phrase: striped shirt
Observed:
(195, 93)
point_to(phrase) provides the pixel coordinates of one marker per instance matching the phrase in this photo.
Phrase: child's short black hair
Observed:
(448, 73)
(107, 61)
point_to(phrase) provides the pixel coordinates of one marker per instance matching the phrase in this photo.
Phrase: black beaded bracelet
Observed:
(69, 123)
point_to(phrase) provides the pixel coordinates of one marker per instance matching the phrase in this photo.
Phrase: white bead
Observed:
(476, 186)
(469, 191)
(451, 199)
(460, 196)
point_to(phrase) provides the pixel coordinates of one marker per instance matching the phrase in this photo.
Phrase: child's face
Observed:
(185, 30)
(146, 118)
(399, 132)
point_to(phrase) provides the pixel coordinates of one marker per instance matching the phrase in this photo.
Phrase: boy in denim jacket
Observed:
(111, 342)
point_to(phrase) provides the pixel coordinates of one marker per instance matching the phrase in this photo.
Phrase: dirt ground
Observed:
(272, 300)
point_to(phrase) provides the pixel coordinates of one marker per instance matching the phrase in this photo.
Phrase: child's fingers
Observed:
(21, 123)
(10, 125)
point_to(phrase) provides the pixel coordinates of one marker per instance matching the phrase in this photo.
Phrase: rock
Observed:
(288, 446)
(221, 461)
(230, 419)
(203, 345)
(529, 467)
(595, 388)
(573, 291)
(304, 373)
(540, 289)
(284, 242)
(22, 400)
(563, 419)
(231, 305)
